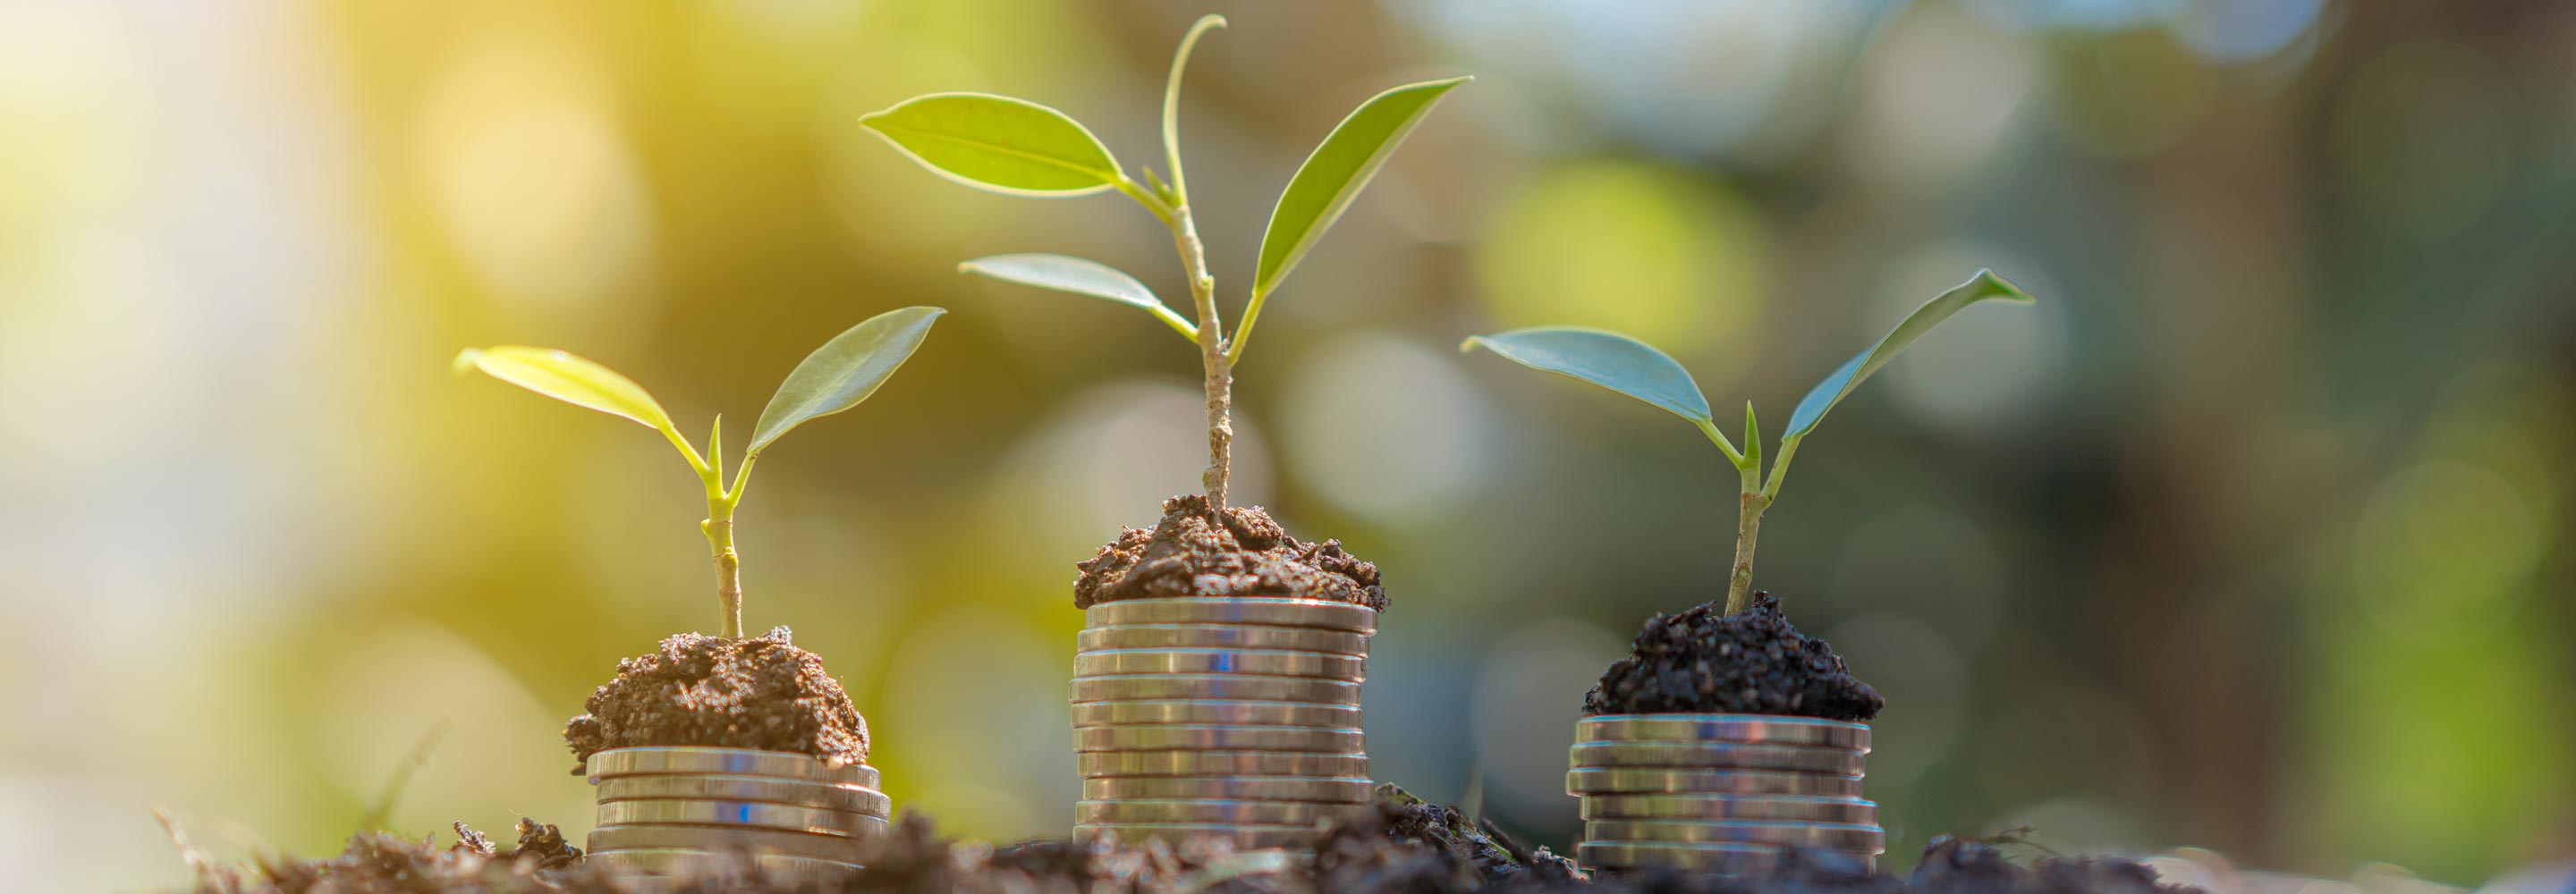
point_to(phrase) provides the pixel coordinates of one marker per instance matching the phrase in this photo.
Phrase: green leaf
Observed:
(1811, 410)
(1335, 174)
(843, 372)
(1080, 277)
(998, 143)
(1752, 441)
(1603, 358)
(570, 379)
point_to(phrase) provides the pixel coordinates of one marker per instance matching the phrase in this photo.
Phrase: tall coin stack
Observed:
(1719, 793)
(799, 818)
(1232, 716)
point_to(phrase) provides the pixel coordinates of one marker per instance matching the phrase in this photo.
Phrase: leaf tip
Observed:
(1470, 344)
(2001, 287)
(466, 361)
(1211, 20)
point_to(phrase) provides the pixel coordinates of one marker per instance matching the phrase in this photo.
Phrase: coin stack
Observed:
(800, 818)
(1719, 793)
(1232, 716)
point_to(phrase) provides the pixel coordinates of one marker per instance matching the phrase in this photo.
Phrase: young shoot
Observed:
(1017, 147)
(836, 377)
(1631, 367)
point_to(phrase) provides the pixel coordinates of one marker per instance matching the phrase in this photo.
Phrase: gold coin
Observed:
(1838, 836)
(1263, 610)
(765, 789)
(1219, 763)
(1727, 859)
(1220, 738)
(1123, 662)
(1222, 636)
(1648, 780)
(1757, 728)
(1270, 813)
(672, 861)
(1248, 837)
(725, 761)
(1730, 807)
(714, 838)
(1236, 788)
(1720, 755)
(738, 813)
(1225, 687)
(1089, 714)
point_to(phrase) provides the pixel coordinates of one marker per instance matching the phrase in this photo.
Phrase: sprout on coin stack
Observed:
(1726, 734)
(1218, 685)
(727, 741)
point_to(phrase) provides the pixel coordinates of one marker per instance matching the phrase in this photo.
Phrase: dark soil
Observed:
(1400, 845)
(1192, 552)
(761, 692)
(1751, 662)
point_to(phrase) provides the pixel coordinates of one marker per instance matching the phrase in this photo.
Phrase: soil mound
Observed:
(762, 692)
(1751, 662)
(1193, 552)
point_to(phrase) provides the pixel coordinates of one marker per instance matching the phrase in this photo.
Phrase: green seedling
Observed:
(836, 377)
(1017, 147)
(1633, 368)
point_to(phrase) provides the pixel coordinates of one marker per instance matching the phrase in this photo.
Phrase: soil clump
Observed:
(1751, 662)
(1194, 552)
(760, 692)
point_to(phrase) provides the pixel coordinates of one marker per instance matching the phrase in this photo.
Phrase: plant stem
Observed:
(719, 528)
(1218, 367)
(1748, 522)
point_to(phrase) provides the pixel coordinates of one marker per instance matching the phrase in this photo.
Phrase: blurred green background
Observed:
(2253, 535)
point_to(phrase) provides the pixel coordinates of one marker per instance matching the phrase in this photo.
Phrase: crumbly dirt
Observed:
(1403, 843)
(1193, 552)
(1751, 662)
(762, 692)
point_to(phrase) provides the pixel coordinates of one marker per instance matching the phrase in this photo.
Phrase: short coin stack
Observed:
(1719, 793)
(1232, 716)
(799, 817)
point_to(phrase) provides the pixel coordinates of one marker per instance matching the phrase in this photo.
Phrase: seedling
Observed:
(1017, 147)
(836, 377)
(1633, 368)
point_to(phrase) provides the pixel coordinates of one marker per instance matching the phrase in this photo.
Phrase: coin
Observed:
(728, 761)
(1089, 714)
(1215, 686)
(670, 861)
(1243, 836)
(1720, 755)
(1839, 836)
(1216, 738)
(738, 813)
(1211, 661)
(1740, 807)
(1273, 813)
(764, 789)
(1222, 636)
(1272, 611)
(1763, 728)
(1243, 788)
(1717, 858)
(1218, 763)
(798, 844)
(1648, 780)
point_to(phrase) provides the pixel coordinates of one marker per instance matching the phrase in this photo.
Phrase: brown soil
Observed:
(761, 692)
(1192, 552)
(1752, 662)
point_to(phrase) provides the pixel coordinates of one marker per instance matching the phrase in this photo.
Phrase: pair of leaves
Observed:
(1009, 145)
(1633, 368)
(836, 377)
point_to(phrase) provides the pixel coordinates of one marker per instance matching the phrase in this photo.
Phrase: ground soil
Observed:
(1751, 662)
(1399, 845)
(762, 692)
(1193, 552)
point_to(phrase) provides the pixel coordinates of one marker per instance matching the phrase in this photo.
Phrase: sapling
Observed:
(836, 377)
(1013, 146)
(1633, 368)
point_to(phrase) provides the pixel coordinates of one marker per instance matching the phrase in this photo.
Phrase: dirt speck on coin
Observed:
(760, 692)
(1193, 552)
(1751, 662)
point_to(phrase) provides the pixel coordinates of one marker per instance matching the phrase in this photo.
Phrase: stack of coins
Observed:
(1719, 793)
(800, 818)
(1232, 716)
